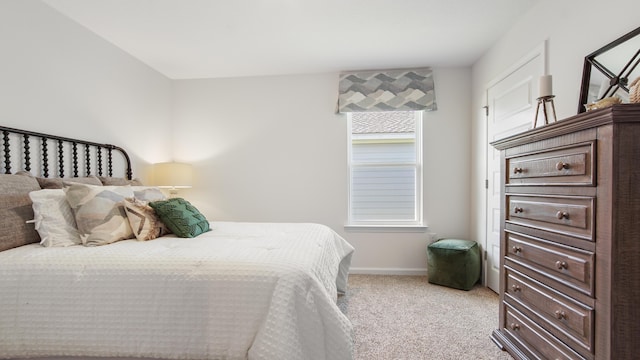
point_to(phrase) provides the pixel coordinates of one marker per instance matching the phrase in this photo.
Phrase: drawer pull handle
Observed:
(514, 326)
(516, 249)
(518, 210)
(562, 166)
(516, 288)
(562, 265)
(560, 315)
(517, 170)
(562, 215)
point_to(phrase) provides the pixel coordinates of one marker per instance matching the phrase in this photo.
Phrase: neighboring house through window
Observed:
(385, 168)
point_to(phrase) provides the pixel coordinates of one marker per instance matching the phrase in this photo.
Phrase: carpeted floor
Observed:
(405, 318)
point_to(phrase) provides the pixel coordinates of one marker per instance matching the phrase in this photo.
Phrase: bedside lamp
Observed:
(172, 176)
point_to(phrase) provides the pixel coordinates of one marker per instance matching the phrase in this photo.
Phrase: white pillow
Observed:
(99, 213)
(148, 193)
(54, 220)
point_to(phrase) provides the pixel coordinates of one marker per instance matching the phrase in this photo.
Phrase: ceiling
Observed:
(187, 39)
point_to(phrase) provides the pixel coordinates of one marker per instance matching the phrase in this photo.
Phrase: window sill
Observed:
(386, 228)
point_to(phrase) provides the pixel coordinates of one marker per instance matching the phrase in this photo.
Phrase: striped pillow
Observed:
(99, 213)
(146, 225)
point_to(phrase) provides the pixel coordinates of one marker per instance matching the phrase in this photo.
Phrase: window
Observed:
(385, 168)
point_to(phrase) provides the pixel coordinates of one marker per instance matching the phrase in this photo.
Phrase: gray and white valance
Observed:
(388, 90)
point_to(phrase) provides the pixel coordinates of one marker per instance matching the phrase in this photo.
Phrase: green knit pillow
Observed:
(182, 218)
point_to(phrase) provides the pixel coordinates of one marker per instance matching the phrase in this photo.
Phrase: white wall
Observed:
(273, 149)
(264, 149)
(57, 77)
(574, 29)
(257, 156)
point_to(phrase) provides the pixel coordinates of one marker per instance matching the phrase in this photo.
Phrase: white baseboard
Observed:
(387, 271)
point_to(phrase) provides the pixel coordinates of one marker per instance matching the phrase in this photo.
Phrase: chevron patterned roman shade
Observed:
(389, 90)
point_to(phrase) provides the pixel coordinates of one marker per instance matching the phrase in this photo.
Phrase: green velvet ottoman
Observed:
(454, 263)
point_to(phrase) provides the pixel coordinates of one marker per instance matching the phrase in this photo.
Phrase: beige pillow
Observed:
(99, 212)
(59, 183)
(16, 210)
(145, 223)
(118, 181)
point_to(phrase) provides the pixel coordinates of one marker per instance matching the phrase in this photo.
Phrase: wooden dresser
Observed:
(570, 238)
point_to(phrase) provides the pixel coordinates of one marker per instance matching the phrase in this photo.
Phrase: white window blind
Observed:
(385, 168)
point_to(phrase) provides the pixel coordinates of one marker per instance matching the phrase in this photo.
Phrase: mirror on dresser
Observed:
(609, 70)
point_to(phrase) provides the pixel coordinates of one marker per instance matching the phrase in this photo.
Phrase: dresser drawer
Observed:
(567, 166)
(539, 342)
(571, 266)
(566, 318)
(567, 215)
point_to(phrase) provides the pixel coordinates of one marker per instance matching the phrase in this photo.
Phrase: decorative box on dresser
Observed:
(570, 238)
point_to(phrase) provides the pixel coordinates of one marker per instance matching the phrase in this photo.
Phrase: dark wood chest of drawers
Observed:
(570, 238)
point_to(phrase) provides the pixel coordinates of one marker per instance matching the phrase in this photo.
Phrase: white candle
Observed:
(545, 86)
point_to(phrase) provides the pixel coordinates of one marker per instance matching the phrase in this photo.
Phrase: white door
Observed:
(511, 102)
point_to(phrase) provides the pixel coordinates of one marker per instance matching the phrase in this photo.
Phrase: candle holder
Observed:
(545, 101)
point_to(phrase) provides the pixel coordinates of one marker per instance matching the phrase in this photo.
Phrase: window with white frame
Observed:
(385, 168)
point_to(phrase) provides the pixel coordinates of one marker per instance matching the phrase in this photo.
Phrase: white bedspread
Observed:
(240, 291)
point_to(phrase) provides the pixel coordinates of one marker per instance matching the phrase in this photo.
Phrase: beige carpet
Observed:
(405, 317)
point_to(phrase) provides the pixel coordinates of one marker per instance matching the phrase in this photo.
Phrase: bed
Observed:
(236, 291)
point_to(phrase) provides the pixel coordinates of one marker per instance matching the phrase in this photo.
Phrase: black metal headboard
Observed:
(90, 151)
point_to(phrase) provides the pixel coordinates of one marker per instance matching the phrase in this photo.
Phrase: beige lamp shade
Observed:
(173, 175)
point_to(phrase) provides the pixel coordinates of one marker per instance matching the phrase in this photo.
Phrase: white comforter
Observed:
(240, 291)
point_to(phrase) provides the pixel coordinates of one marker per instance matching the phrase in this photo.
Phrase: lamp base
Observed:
(173, 193)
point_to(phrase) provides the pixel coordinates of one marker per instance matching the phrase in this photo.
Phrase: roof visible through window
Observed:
(383, 122)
